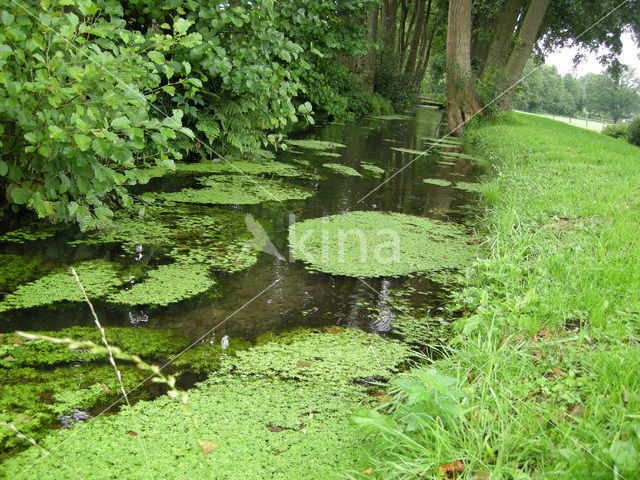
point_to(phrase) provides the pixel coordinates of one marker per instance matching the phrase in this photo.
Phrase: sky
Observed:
(563, 58)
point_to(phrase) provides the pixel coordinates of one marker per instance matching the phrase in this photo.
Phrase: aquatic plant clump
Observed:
(283, 408)
(167, 284)
(409, 151)
(375, 244)
(241, 167)
(99, 278)
(17, 269)
(342, 169)
(236, 190)
(437, 181)
(372, 169)
(315, 144)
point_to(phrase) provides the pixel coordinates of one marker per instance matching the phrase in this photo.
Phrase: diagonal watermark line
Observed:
(142, 97)
(537, 412)
(202, 337)
(499, 96)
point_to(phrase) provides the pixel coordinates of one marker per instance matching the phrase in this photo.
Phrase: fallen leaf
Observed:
(18, 340)
(275, 428)
(470, 377)
(367, 471)
(208, 447)
(303, 364)
(277, 452)
(105, 388)
(625, 397)
(452, 469)
(557, 372)
(132, 433)
(333, 330)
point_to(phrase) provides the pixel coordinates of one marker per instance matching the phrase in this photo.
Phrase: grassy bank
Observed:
(542, 378)
(589, 124)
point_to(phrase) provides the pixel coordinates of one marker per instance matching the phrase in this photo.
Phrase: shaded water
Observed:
(275, 294)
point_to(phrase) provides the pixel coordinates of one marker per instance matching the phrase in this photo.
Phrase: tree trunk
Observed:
(370, 60)
(420, 24)
(389, 16)
(499, 48)
(425, 50)
(462, 100)
(522, 49)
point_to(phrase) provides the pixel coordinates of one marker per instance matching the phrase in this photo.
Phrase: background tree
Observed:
(616, 96)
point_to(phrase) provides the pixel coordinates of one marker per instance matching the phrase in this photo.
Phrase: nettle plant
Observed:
(75, 117)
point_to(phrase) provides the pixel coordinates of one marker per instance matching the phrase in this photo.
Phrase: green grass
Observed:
(595, 125)
(541, 378)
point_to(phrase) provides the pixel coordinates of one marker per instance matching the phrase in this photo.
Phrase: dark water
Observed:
(274, 294)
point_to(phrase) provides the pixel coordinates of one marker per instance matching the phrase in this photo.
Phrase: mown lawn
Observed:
(542, 375)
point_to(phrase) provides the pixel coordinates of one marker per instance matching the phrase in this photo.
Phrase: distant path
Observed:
(595, 125)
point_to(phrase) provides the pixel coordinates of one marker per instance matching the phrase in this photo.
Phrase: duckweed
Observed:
(315, 144)
(437, 181)
(99, 278)
(373, 244)
(342, 169)
(167, 284)
(408, 150)
(287, 417)
(236, 190)
(374, 170)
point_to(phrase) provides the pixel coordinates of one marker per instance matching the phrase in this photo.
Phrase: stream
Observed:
(274, 295)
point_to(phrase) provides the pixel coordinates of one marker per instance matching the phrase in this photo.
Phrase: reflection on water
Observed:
(242, 304)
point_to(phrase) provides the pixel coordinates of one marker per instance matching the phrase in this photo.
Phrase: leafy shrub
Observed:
(391, 82)
(616, 130)
(633, 132)
(362, 103)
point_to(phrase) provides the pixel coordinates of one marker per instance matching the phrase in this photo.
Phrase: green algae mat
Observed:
(342, 169)
(236, 190)
(278, 410)
(375, 244)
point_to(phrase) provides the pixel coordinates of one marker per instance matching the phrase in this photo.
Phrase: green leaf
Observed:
(4, 168)
(7, 18)
(20, 196)
(155, 56)
(83, 217)
(120, 122)
(82, 141)
(181, 26)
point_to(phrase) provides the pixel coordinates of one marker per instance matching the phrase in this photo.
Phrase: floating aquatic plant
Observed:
(98, 276)
(236, 190)
(374, 170)
(31, 232)
(167, 284)
(299, 429)
(391, 117)
(320, 153)
(315, 144)
(241, 167)
(373, 244)
(191, 233)
(442, 141)
(408, 150)
(342, 169)
(437, 181)
(17, 269)
(457, 155)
